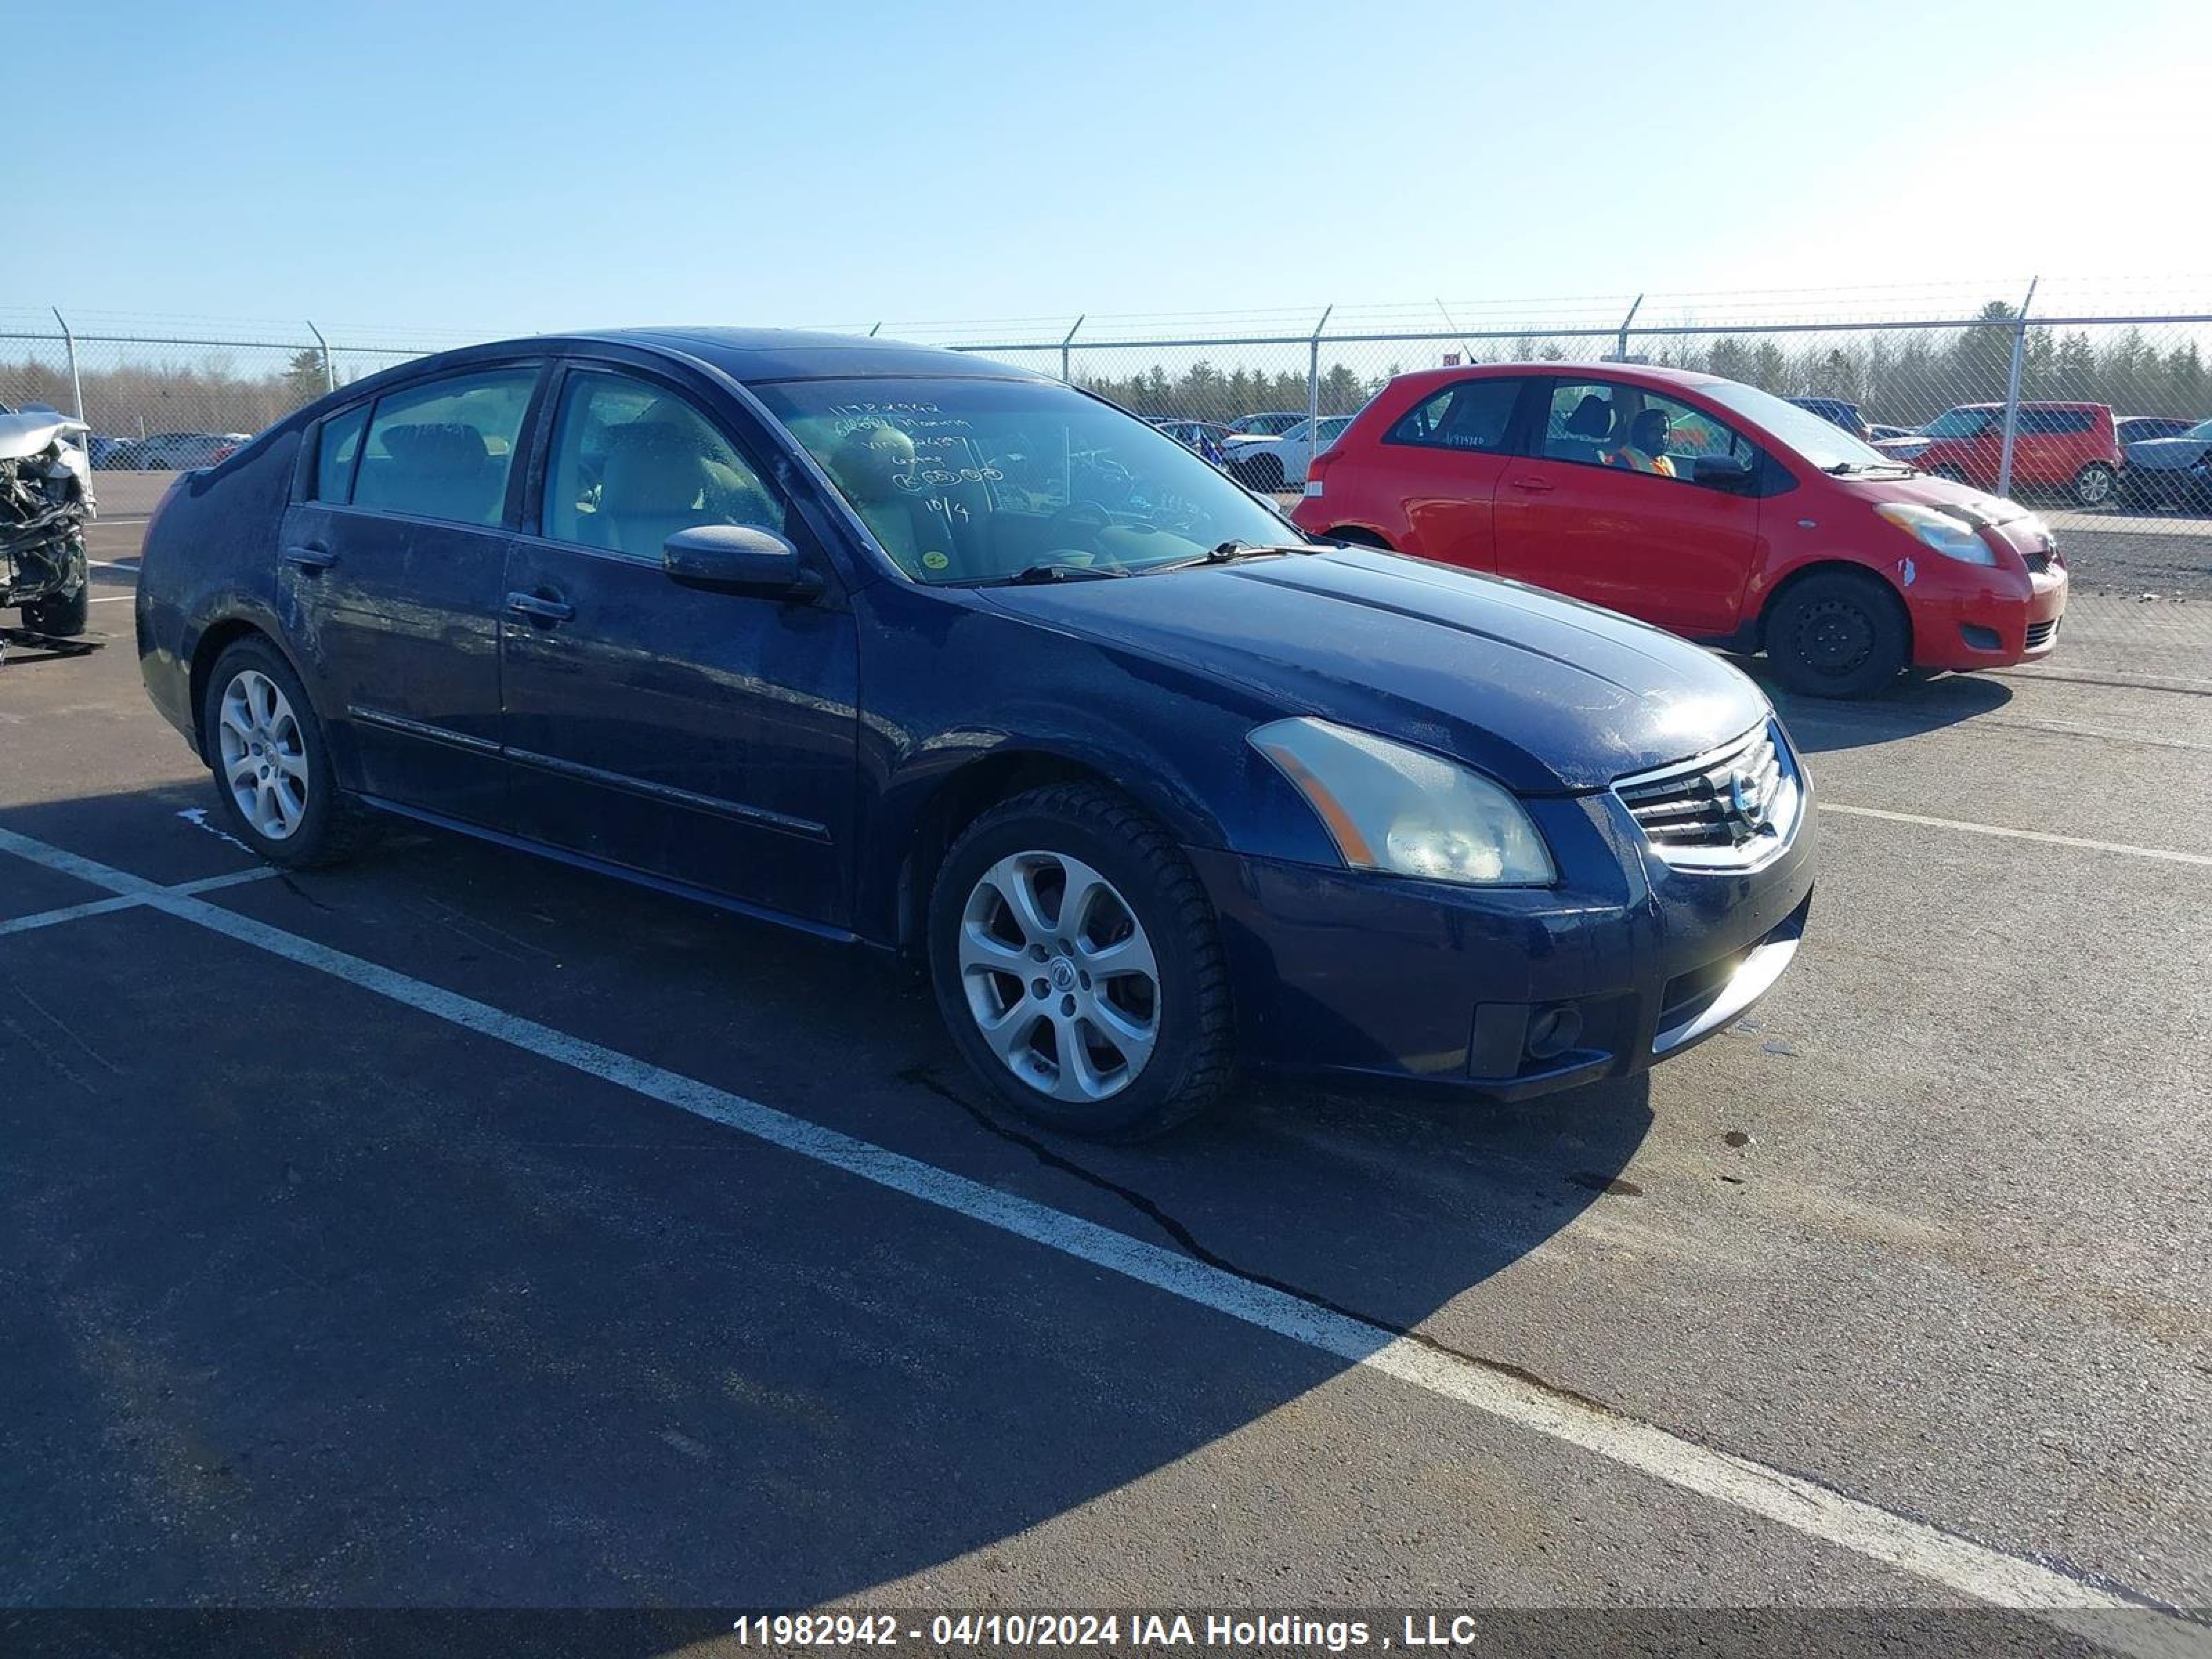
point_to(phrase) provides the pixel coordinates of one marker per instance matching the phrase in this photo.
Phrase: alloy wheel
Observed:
(1060, 976)
(264, 755)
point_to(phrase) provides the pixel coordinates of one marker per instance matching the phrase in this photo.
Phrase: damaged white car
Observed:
(45, 496)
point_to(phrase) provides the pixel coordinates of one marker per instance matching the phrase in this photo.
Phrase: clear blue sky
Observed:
(512, 167)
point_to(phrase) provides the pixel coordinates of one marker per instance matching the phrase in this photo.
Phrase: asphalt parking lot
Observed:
(454, 1227)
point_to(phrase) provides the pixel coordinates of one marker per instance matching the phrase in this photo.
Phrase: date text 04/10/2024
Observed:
(1005, 1629)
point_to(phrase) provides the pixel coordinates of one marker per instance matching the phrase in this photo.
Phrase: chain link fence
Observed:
(2094, 406)
(2100, 420)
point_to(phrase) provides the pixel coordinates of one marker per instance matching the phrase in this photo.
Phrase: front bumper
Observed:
(1991, 626)
(1509, 993)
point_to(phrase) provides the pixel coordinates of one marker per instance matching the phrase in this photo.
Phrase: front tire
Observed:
(271, 763)
(1078, 966)
(1836, 635)
(2092, 484)
(64, 616)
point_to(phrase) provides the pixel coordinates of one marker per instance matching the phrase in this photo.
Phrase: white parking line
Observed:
(111, 598)
(1790, 1500)
(131, 901)
(2165, 854)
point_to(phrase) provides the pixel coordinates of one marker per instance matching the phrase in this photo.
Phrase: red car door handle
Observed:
(1533, 486)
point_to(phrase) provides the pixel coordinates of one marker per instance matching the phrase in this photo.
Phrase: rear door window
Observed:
(443, 450)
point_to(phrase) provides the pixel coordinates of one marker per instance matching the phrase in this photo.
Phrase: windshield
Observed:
(1958, 422)
(1814, 439)
(978, 481)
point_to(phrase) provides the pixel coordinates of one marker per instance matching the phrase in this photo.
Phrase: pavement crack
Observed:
(284, 880)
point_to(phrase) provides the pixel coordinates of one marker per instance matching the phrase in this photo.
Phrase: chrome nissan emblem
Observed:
(1744, 800)
(1063, 974)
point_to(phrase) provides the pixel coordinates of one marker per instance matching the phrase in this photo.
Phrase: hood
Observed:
(2168, 454)
(1543, 693)
(33, 431)
(1977, 507)
(1903, 449)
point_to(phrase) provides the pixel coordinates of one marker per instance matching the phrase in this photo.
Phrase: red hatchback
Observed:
(1703, 504)
(2075, 447)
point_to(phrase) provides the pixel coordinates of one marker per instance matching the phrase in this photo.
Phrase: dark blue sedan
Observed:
(899, 647)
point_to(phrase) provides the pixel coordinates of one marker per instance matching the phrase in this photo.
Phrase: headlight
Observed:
(1954, 539)
(1400, 810)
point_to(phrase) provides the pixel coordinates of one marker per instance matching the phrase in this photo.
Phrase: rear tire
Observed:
(1836, 635)
(1112, 1022)
(2093, 485)
(271, 763)
(1265, 474)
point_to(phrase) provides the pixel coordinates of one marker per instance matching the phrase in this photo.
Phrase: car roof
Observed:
(754, 355)
(1634, 374)
(749, 355)
(2035, 403)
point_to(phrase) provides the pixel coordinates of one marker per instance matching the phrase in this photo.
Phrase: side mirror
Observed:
(737, 558)
(1720, 472)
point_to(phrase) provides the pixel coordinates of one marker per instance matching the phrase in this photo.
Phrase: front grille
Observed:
(2039, 561)
(2041, 633)
(1729, 810)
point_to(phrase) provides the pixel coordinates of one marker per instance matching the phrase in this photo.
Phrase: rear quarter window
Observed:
(1470, 415)
(338, 446)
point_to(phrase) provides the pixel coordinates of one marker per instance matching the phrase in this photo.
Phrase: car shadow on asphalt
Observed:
(386, 1311)
(1911, 706)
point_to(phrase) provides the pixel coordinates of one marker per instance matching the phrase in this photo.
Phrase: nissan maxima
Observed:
(904, 648)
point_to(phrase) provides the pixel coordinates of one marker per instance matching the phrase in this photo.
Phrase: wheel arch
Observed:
(1360, 535)
(964, 792)
(217, 637)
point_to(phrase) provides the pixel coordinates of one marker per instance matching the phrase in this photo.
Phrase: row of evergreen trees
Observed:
(1902, 377)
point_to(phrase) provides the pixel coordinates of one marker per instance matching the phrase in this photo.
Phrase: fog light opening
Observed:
(1553, 1031)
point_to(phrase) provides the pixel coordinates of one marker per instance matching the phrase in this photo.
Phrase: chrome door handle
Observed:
(539, 610)
(311, 556)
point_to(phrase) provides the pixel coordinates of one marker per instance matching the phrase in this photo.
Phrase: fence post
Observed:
(1623, 342)
(1313, 388)
(2012, 390)
(68, 342)
(329, 369)
(1066, 377)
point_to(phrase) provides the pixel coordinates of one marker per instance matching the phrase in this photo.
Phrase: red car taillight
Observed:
(1315, 468)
